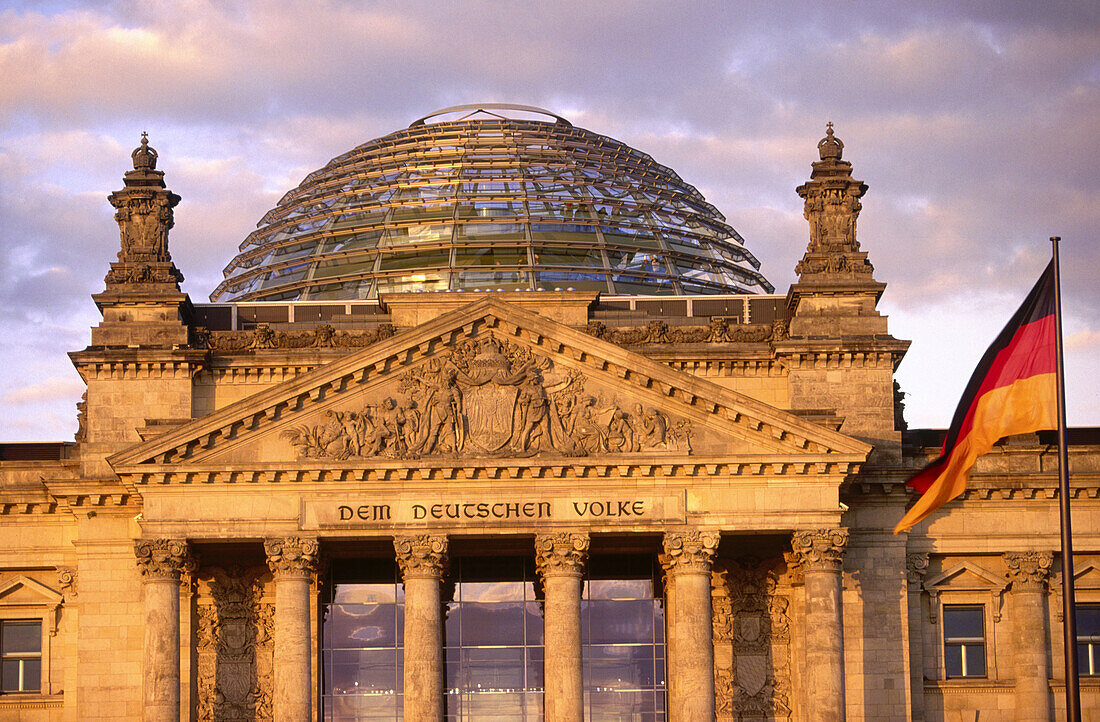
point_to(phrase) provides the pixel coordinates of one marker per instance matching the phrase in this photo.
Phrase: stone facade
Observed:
(175, 555)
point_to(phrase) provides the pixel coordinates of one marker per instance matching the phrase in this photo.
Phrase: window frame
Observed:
(24, 599)
(1091, 668)
(964, 642)
(23, 657)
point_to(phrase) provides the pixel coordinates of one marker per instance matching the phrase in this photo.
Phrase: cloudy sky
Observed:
(975, 128)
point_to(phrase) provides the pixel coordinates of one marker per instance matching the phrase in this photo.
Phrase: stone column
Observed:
(687, 561)
(916, 567)
(821, 553)
(162, 563)
(1028, 573)
(292, 561)
(560, 560)
(423, 562)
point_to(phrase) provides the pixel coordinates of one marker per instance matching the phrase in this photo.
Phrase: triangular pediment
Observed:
(23, 591)
(966, 576)
(490, 381)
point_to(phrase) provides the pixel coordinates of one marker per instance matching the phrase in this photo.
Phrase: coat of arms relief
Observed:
(493, 398)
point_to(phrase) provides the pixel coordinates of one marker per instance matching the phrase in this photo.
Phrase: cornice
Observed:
(832, 467)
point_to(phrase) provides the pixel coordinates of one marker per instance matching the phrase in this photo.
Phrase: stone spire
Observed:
(832, 206)
(144, 215)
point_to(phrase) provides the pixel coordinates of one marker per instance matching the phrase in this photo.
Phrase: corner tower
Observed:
(840, 353)
(139, 366)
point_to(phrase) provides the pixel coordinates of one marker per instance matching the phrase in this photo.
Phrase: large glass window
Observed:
(1088, 639)
(21, 656)
(493, 648)
(623, 640)
(362, 642)
(964, 640)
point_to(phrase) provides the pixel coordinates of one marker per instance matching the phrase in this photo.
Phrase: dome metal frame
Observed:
(486, 204)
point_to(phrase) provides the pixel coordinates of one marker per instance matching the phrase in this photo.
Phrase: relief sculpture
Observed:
(235, 646)
(489, 398)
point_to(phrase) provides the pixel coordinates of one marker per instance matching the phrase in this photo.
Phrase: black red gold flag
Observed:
(1013, 391)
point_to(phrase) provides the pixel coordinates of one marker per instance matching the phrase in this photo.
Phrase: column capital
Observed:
(689, 552)
(820, 549)
(292, 556)
(421, 555)
(1028, 571)
(916, 568)
(563, 553)
(163, 559)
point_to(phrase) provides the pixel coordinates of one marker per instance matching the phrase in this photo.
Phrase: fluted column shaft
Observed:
(293, 561)
(687, 561)
(423, 562)
(560, 559)
(916, 567)
(1028, 572)
(821, 554)
(162, 563)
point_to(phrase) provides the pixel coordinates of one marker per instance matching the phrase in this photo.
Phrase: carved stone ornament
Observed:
(421, 555)
(488, 398)
(820, 549)
(66, 580)
(561, 553)
(292, 556)
(234, 645)
(719, 330)
(163, 558)
(916, 567)
(752, 619)
(263, 337)
(689, 552)
(1028, 571)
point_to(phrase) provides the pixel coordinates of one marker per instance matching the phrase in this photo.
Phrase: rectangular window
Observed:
(1088, 639)
(20, 656)
(964, 640)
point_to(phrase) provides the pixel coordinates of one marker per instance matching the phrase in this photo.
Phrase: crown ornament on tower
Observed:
(832, 205)
(143, 210)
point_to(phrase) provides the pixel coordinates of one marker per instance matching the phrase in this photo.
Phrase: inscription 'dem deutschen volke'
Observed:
(474, 512)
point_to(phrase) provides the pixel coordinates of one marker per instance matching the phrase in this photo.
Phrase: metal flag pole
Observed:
(1069, 613)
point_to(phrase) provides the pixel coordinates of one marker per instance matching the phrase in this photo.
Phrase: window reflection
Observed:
(622, 637)
(362, 641)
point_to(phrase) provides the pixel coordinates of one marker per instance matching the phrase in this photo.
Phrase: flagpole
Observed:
(1069, 611)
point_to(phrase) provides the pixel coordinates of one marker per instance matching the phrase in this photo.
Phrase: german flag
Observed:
(1013, 391)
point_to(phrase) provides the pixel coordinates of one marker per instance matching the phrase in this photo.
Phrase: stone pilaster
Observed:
(292, 561)
(560, 560)
(1029, 573)
(162, 563)
(422, 559)
(687, 562)
(821, 556)
(916, 567)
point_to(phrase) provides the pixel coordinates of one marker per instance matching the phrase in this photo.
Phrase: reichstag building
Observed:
(497, 418)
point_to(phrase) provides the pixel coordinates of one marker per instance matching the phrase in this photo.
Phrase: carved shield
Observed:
(752, 673)
(489, 415)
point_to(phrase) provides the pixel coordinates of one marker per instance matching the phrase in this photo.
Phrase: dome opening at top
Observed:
(487, 197)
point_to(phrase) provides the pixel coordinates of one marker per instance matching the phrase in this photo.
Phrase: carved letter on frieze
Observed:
(421, 555)
(561, 553)
(163, 558)
(1028, 571)
(820, 549)
(490, 398)
(689, 552)
(292, 556)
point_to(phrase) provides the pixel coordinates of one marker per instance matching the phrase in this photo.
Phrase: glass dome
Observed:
(488, 200)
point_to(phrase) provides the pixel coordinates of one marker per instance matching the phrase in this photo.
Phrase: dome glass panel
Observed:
(485, 202)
